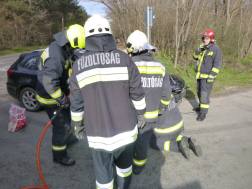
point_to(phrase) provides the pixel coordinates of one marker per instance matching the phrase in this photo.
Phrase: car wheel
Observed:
(29, 100)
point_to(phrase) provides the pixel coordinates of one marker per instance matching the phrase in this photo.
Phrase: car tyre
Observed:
(29, 100)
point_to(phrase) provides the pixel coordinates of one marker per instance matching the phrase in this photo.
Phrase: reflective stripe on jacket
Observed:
(53, 84)
(209, 61)
(106, 94)
(155, 82)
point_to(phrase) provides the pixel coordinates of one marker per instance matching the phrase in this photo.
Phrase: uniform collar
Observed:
(61, 38)
(100, 42)
(144, 55)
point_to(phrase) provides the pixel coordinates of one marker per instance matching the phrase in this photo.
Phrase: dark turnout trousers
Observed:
(104, 163)
(141, 146)
(203, 91)
(166, 142)
(61, 131)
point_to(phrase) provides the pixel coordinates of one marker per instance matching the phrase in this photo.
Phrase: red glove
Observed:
(67, 104)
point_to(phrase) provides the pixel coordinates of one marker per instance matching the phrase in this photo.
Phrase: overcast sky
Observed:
(93, 8)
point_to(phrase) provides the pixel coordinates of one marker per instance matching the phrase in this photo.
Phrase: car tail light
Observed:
(9, 72)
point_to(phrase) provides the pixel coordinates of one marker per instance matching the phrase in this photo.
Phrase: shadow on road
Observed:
(193, 185)
(192, 99)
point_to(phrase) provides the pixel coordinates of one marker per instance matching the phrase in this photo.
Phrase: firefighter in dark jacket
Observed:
(208, 66)
(167, 132)
(155, 82)
(53, 88)
(106, 99)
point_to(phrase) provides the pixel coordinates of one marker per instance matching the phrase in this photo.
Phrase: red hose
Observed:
(38, 162)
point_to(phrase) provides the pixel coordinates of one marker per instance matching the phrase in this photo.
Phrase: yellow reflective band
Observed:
(197, 75)
(59, 148)
(103, 78)
(46, 101)
(112, 143)
(210, 53)
(139, 105)
(70, 72)
(56, 94)
(165, 102)
(170, 129)
(167, 146)
(105, 186)
(150, 115)
(67, 64)
(179, 138)
(196, 56)
(77, 116)
(204, 105)
(150, 70)
(43, 57)
(139, 162)
(201, 60)
(215, 70)
(124, 172)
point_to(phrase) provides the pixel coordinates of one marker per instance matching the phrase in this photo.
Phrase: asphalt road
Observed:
(225, 137)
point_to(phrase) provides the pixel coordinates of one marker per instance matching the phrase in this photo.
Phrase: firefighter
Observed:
(53, 88)
(167, 132)
(208, 66)
(106, 99)
(157, 88)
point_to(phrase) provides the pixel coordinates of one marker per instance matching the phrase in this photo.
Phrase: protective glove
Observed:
(141, 121)
(79, 132)
(161, 110)
(210, 78)
(66, 105)
(202, 47)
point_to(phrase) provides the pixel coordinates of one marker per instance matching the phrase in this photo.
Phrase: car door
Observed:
(28, 71)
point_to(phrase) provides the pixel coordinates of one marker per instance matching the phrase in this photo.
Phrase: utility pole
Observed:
(62, 24)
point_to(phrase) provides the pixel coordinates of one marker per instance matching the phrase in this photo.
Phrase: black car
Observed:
(22, 81)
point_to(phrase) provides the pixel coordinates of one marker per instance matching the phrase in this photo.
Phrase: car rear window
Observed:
(31, 63)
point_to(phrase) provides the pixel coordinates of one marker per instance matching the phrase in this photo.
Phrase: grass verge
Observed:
(227, 77)
(20, 50)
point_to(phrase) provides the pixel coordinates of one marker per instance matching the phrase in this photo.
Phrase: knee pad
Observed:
(203, 97)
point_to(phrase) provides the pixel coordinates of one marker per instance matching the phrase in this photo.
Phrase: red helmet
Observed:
(208, 33)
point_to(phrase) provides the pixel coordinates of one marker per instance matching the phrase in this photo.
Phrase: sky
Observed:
(93, 8)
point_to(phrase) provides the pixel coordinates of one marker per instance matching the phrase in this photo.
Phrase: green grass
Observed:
(19, 50)
(227, 77)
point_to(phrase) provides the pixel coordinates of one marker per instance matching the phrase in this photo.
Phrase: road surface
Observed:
(225, 137)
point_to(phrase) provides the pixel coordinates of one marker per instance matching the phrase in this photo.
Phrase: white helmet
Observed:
(137, 41)
(96, 25)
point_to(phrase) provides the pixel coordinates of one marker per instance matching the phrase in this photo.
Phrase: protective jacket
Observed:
(209, 61)
(53, 76)
(155, 82)
(170, 122)
(106, 85)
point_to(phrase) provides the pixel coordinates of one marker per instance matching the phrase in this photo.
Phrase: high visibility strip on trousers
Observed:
(139, 162)
(179, 138)
(204, 105)
(165, 102)
(170, 129)
(124, 172)
(59, 148)
(105, 186)
(167, 146)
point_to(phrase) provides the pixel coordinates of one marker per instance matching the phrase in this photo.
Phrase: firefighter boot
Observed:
(193, 145)
(66, 161)
(201, 117)
(184, 148)
(137, 169)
